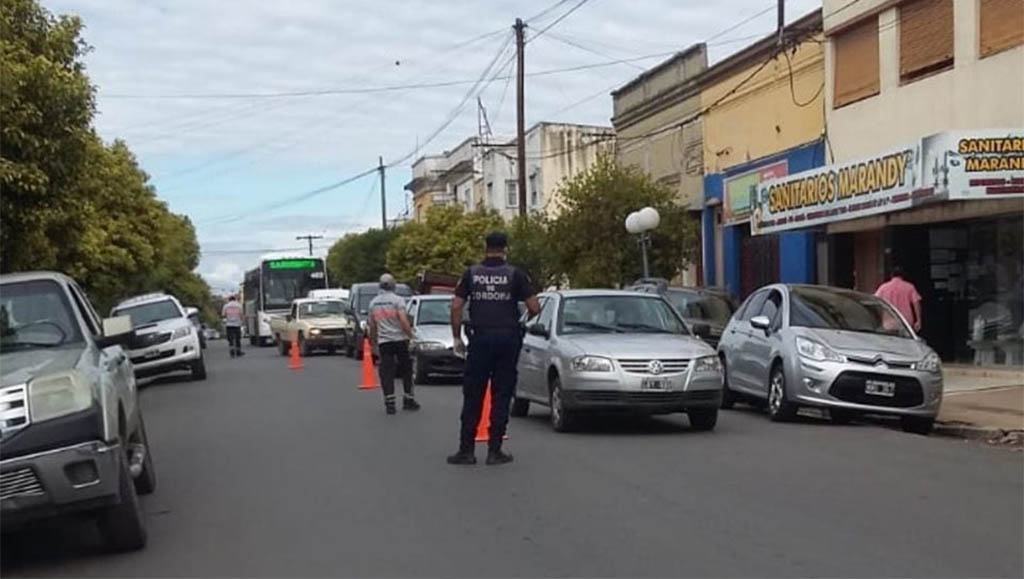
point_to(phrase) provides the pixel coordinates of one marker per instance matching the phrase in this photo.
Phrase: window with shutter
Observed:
(926, 38)
(1001, 25)
(856, 62)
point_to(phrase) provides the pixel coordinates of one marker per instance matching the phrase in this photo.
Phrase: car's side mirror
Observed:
(701, 330)
(116, 331)
(538, 330)
(760, 322)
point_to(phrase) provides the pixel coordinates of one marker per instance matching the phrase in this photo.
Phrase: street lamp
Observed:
(642, 223)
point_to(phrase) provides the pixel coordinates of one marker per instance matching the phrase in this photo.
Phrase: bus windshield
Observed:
(287, 279)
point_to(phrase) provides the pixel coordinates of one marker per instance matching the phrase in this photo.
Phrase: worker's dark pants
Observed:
(492, 358)
(394, 357)
(234, 338)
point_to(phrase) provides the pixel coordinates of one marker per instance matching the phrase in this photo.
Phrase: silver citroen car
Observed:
(852, 353)
(610, 350)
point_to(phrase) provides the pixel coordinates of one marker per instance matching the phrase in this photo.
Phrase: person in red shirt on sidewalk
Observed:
(902, 295)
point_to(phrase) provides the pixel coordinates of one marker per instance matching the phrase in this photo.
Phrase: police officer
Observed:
(494, 290)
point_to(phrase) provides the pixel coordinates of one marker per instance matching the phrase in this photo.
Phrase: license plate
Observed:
(879, 388)
(654, 384)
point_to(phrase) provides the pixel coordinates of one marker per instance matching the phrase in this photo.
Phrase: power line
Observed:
(792, 87)
(559, 38)
(555, 22)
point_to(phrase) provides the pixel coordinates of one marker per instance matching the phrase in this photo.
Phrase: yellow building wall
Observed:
(761, 118)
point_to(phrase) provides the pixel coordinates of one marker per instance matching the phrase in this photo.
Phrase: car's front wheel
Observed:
(917, 424)
(520, 407)
(728, 396)
(419, 374)
(780, 409)
(303, 346)
(562, 418)
(703, 418)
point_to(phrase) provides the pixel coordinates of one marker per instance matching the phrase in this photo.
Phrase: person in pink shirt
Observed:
(902, 295)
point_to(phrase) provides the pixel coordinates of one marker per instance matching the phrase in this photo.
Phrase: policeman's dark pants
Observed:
(394, 357)
(492, 357)
(234, 338)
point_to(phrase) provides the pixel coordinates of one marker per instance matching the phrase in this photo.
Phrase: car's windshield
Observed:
(702, 306)
(434, 312)
(321, 309)
(844, 310)
(36, 314)
(620, 314)
(150, 313)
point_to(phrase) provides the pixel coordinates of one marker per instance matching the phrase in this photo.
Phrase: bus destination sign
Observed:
(293, 264)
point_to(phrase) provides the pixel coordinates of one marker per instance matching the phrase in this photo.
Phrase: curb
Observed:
(971, 432)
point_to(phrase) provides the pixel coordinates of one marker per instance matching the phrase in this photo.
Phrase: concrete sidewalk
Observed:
(983, 403)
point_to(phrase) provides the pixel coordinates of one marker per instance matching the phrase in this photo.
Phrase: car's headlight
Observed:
(707, 364)
(315, 331)
(57, 395)
(930, 363)
(817, 351)
(182, 332)
(426, 346)
(591, 364)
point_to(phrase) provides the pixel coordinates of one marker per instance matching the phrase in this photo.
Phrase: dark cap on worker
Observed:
(496, 240)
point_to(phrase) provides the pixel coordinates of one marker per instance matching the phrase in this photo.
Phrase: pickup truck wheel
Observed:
(145, 483)
(122, 525)
(303, 346)
(199, 368)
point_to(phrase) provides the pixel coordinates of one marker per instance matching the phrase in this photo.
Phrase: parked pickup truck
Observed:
(317, 324)
(72, 439)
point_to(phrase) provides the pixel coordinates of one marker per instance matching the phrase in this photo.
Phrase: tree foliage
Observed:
(532, 249)
(593, 247)
(359, 257)
(448, 240)
(70, 202)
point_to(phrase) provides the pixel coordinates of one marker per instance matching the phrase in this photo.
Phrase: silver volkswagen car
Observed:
(805, 345)
(609, 350)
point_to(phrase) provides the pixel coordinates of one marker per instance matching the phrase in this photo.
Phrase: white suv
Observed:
(165, 339)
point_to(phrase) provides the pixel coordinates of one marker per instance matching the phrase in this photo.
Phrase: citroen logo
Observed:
(655, 367)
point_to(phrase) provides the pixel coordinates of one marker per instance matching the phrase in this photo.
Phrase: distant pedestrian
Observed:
(902, 295)
(232, 314)
(390, 333)
(494, 290)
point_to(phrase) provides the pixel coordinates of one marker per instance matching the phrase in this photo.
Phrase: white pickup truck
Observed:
(317, 324)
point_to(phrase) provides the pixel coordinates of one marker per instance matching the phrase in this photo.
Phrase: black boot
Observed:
(389, 404)
(496, 456)
(462, 457)
(409, 403)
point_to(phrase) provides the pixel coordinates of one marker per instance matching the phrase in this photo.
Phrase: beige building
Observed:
(646, 111)
(445, 179)
(924, 105)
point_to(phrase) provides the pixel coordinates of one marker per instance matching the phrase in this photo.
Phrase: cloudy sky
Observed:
(242, 110)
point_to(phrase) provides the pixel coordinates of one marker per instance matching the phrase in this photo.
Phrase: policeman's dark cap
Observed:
(496, 240)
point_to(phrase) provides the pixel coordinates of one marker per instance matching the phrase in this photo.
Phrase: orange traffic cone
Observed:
(369, 376)
(484, 426)
(296, 361)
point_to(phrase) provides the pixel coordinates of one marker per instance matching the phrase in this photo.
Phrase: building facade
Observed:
(762, 119)
(445, 179)
(924, 101)
(658, 129)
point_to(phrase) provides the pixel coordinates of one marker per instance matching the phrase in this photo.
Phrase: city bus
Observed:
(270, 288)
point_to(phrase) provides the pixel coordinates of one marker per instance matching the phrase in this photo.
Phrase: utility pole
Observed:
(310, 239)
(781, 12)
(521, 115)
(383, 199)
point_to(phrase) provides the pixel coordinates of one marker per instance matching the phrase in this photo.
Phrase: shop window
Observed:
(1001, 25)
(926, 38)
(855, 52)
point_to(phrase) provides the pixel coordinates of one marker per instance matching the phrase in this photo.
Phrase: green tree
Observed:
(359, 257)
(46, 103)
(532, 249)
(70, 202)
(593, 246)
(448, 240)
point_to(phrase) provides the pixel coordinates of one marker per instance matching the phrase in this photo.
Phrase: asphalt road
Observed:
(269, 472)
